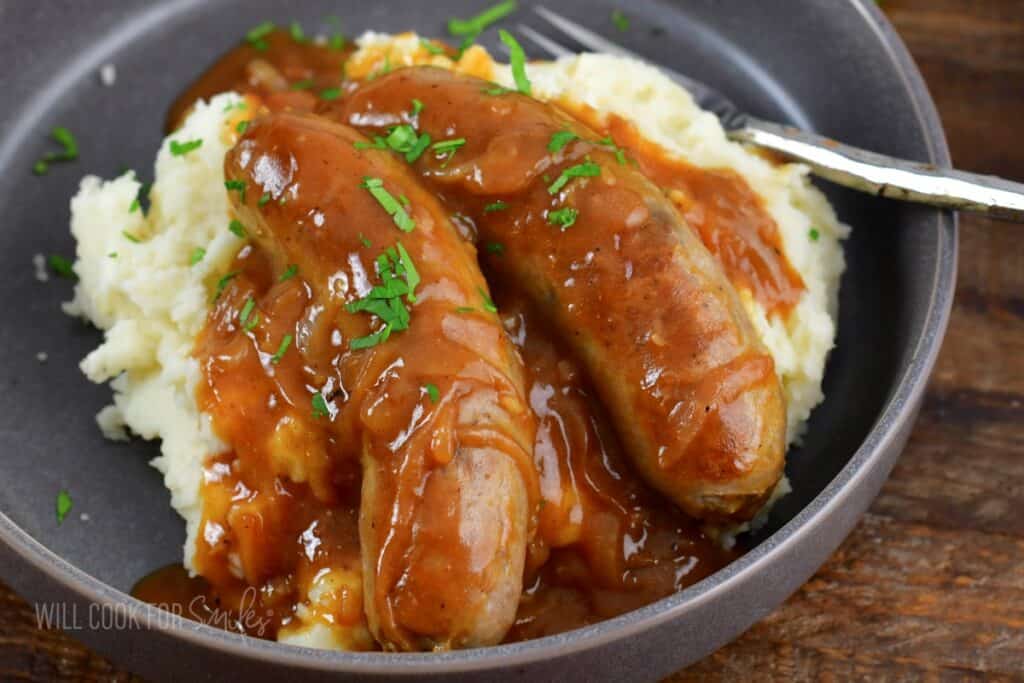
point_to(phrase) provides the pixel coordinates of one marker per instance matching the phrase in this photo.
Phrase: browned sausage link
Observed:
(629, 285)
(437, 412)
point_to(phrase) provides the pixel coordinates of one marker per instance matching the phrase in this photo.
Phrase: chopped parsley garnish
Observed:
(320, 408)
(433, 392)
(431, 47)
(69, 152)
(295, 29)
(142, 194)
(256, 35)
(246, 312)
(620, 156)
(236, 186)
(496, 206)
(448, 148)
(363, 240)
(223, 282)
(62, 266)
(391, 205)
(240, 104)
(242, 126)
(237, 228)
(330, 94)
(402, 139)
(488, 304)
(63, 505)
(304, 84)
(289, 273)
(496, 90)
(464, 309)
(496, 248)
(417, 107)
(620, 20)
(399, 278)
(564, 217)
(179, 149)
(476, 25)
(587, 169)
(336, 41)
(264, 198)
(198, 254)
(282, 348)
(112, 254)
(130, 237)
(814, 234)
(560, 139)
(517, 58)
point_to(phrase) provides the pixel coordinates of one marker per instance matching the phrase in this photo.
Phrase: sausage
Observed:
(628, 285)
(436, 412)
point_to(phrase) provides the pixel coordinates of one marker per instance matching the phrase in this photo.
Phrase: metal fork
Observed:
(855, 168)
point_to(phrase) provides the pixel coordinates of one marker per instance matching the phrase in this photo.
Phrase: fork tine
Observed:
(583, 36)
(556, 49)
(706, 97)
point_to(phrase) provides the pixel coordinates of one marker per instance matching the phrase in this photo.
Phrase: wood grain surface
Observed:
(930, 585)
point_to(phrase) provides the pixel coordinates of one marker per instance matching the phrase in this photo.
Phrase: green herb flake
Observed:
(134, 206)
(241, 127)
(560, 139)
(448, 146)
(488, 304)
(336, 42)
(112, 254)
(246, 312)
(256, 35)
(320, 408)
(130, 237)
(304, 84)
(564, 217)
(330, 94)
(281, 349)
(496, 248)
(378, 143)
(63, 267)
(478, 24)
(517, 58)
(464, 309)
(496, 206)
(620, 20)
(814, 234)
(431, 47)
(63, 505)
(179, 149)
(69, 150)
(236, 227)
(417, 107)
(297, 34)
(398, 278)
(289, 273)
(198, 254)
(365, 241)
(433, 392)
(264, 198)
(223, 283)
(391, 205)
(587, 169)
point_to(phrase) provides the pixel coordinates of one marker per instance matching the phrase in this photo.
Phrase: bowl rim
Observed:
(899, 409)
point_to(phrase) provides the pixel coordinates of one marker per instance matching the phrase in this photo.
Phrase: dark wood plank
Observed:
(930, 586)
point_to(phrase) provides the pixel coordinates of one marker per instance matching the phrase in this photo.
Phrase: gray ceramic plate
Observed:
(831, 65)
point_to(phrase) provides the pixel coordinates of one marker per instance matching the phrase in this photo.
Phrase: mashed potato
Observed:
(147, 280)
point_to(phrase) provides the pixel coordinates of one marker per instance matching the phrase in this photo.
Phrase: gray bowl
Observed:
(831, 65)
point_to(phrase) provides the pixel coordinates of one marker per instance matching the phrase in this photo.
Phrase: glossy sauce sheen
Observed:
(629, 287)
(605, 542)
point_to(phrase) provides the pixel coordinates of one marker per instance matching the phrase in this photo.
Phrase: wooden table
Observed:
(930, 585)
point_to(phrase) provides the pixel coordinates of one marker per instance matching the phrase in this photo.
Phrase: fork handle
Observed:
(887, 176)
